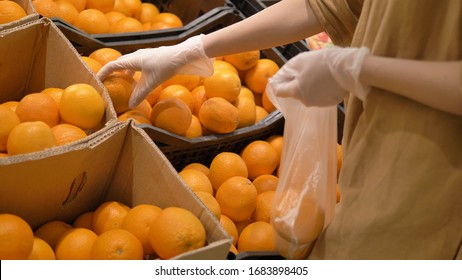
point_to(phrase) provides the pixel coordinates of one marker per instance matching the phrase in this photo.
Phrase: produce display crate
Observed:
(31, 14)
(191, 12)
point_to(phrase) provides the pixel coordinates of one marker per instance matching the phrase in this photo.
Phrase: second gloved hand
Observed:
(321, 78)
(159, 64)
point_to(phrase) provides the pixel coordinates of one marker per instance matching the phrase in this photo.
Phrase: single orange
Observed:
(223, 83)
(138, 221)
(84, 220)
(257, 236)
(266, 103)
(16, 238)
(196, 180)
(28, 137)
(195, 128)
(11, 11)
(169, 19)
(247, 111)
(78, 4)
(237, 197)
(131, 8)
(93, 64)
(75, 244)
(199, 97)
(46, 8)
(117, 244)
(244, 60)
(126, 24)
(210, 202)
(148, 11)
(172, 114)
(261, 113)
(67, 133)
(145, 108)
(263, 208)
(136, 116)
(41, 251)
(10, 105)
(52, 231)
(153, 96)
(109, 215)
(260, 157)
(102, 5)
(177, 91)
(277, 141)
(198, 166)
(55, 93)
(67, 11)
(257, 77)
(224, 166)
(224, 65)
(105, 55)
(9, 120)
(92, 21)
(246, 92)
(175, 231)
(120, 86)
(266, 182)
(38, 107)
(230, 227)
(218, 115)
(188, 81)
(114, 16)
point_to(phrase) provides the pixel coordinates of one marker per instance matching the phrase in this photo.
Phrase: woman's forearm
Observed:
(285, 22)
(435, 84)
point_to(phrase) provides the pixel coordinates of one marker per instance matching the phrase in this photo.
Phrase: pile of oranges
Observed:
(52, 117)
(108, 16)
(113, 231)
(11, 11)
(239, 189)
(193, 106)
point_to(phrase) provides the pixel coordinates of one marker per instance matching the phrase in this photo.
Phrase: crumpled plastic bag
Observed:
(306, 195)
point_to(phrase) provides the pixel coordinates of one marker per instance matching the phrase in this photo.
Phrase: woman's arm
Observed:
(285, 22)
(435, 84)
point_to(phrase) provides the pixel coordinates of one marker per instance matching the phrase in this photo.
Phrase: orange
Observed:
(196, 180)
(120, 86)
(10, 104)
(82, 105)
(52, 231)
(237, 197)
(230, 227)
(218, 115)
(138, 221)
(66, 133)
(126, 24)
(257, 77)
(154, 95)
(41, 251)
(223, 83)
(16, 238)
(188, 81)
(78, 4)
(117, 244)
(102, 5)
(169, 19)
(92, 21)
(257, 236)
(338, 193)
(114, 16)
(46, 8)
(67, 11)
(247, 111)
(266, 182)
(2, 155)
(224, 166)
(136, 116)
(194, 129)
(175, 231)
(11, 11)
(308, 221)
(266, 103)
(38, 107)
(92, 63)
(339, 159)
(198, 166)
(177, 91)
(84, 220)
(260, 157)
(145, 108)
(105, 55)
(263, 208)
(246, 92)
(28, 137)
(243, 224)
(210, 202)
(243, 61)
(148, 11)
(109, 215)
(55, 93)
(75, 244)
(277, 141)
(9, 120)
(224, 65)
(261, 113)
(199, 97)
(172, 114)
(131, 8)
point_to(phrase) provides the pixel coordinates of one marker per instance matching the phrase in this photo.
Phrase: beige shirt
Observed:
(401, 178)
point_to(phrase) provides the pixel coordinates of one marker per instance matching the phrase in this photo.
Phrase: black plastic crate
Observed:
(191, 12)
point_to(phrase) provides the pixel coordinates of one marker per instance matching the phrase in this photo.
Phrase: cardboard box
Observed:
(119, 163)
(30, 11)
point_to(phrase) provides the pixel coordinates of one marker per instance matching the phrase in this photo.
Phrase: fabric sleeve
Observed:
(338, 17)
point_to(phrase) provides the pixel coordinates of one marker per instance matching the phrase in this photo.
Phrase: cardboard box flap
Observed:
(63, 184)
(144, 175)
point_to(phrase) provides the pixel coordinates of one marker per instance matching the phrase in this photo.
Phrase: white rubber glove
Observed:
(159, 64)
(321, 78)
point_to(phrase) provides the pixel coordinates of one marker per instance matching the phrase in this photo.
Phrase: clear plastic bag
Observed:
(306, 195)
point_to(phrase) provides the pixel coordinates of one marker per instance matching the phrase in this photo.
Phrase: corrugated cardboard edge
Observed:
(140, 149)
(30, 11)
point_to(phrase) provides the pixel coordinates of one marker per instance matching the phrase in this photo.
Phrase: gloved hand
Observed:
(159, 64)
(321, 78)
